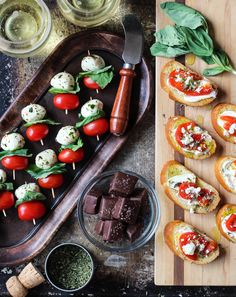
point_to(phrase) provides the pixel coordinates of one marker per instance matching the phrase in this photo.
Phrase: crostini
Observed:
(189, 243)
(225, 171)
(223, 118)
(226, 221)
(190, 140)
(186, 86)
(187, 190)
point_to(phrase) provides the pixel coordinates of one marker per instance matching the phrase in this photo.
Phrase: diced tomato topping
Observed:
(189, 83)
(231, 223)
(179, 134)
(182, 190)
(186, 238)
(229, 121)
(204, 198)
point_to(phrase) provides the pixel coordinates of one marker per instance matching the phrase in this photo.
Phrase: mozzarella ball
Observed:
(92, 62)
(91, 107)
(3, 176)
(67, 135)
(12, 141)
(33, 112)
(46, 159)
(21, 191)
(64, 81)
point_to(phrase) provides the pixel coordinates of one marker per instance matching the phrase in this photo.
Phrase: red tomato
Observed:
(210, 247)
(182, 190)
(90, 84)
(231, 223)
(51, 182)
(6, 200)
(70, 156)
(15, 162)
(97, 127)
(28, 211)
(66, 101)
(228, 122)
(37, 132)
(204, 198)
(184, 239)
(178, 77)
(179, 134)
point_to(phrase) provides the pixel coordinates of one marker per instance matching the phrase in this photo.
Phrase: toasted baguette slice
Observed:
(172, 169)
(226, 210)
(219, 167)
(174, 93)
(172, 233)
(215, 115)
(171, 126)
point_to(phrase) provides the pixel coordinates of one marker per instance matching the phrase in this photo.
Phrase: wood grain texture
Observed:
(220, 15)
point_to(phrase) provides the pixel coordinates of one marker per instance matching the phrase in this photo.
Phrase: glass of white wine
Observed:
(88, 13)
(25, 26)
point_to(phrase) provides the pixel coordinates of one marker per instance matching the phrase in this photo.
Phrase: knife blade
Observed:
(132, 55)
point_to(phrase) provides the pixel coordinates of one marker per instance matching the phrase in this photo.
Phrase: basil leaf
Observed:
(6, 186)
(44, 121)
(209, 60)
(37, 172)
(74, 147)
(162, 50)
(184, 15)
(170, 36)
(30, 196)
(213, 71)
(61, 91)
(20, 152)
(84, 121)
(88, 73)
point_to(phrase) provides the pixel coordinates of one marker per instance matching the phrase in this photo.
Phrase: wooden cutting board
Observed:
(169, 269)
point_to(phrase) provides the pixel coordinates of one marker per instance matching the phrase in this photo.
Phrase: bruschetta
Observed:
(189, 243)
(223, 118)
(225, 171)
(187, 86)
(226, 221)
(187, 190)
(190, 140)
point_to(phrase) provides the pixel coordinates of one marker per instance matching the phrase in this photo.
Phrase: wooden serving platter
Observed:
(169, 269)
(21, 241)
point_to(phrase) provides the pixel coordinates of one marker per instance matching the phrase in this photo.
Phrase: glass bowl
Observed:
(151, 217)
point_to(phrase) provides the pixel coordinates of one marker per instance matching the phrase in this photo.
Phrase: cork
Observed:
(15, 287)
(30, 276)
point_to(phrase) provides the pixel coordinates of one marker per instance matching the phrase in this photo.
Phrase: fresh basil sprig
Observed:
(6, 186)
(30, 196)
(37, 172)
(21, 152)
(44, 121)
(61, 91)
(101, 76)
(74, 146)
(84, 121)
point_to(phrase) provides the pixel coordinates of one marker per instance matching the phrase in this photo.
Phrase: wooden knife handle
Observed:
(120, 111)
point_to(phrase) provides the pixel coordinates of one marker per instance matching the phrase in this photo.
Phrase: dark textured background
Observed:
(116, 275)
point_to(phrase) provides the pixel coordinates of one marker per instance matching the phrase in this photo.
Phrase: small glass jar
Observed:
(25, 26)
(88, 13)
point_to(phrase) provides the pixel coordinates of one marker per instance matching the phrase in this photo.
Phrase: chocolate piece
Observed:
(134, 231)
(99, 227)
(126, 210)
(106, 206)
(92, 201)
(113, 231)
(122, 184)
(141, 194)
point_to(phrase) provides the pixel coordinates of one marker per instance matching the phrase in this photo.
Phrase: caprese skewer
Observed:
(95, 75)
(65, 87)
(29, 202)
(6, 197)
(92, 119)
(36, 123)
(13, 156)
(71, 150)
(47, 170)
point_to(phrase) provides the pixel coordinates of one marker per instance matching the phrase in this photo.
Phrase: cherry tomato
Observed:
(229, 121)
(178, 77)
(90, 84)
(179, 131)
(37, 132)
(231, 223)
(28, 211)
(6, 200)
(70, 156)
(182, 190)
(97, 127)
(66, 101)
(51, 182)
(15, 162)
(186, 238)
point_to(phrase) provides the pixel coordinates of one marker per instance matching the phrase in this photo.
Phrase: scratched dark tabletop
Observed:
(116, 275)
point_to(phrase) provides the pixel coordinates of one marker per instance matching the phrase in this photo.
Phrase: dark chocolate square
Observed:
(99, 227)
(122, 184)
(126, 210)
(92, 201)
(141, 194)
(106, 206)
(134, 231)
(113, 231)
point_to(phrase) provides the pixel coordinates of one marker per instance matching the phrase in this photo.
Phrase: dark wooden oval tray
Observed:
(21, 241)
